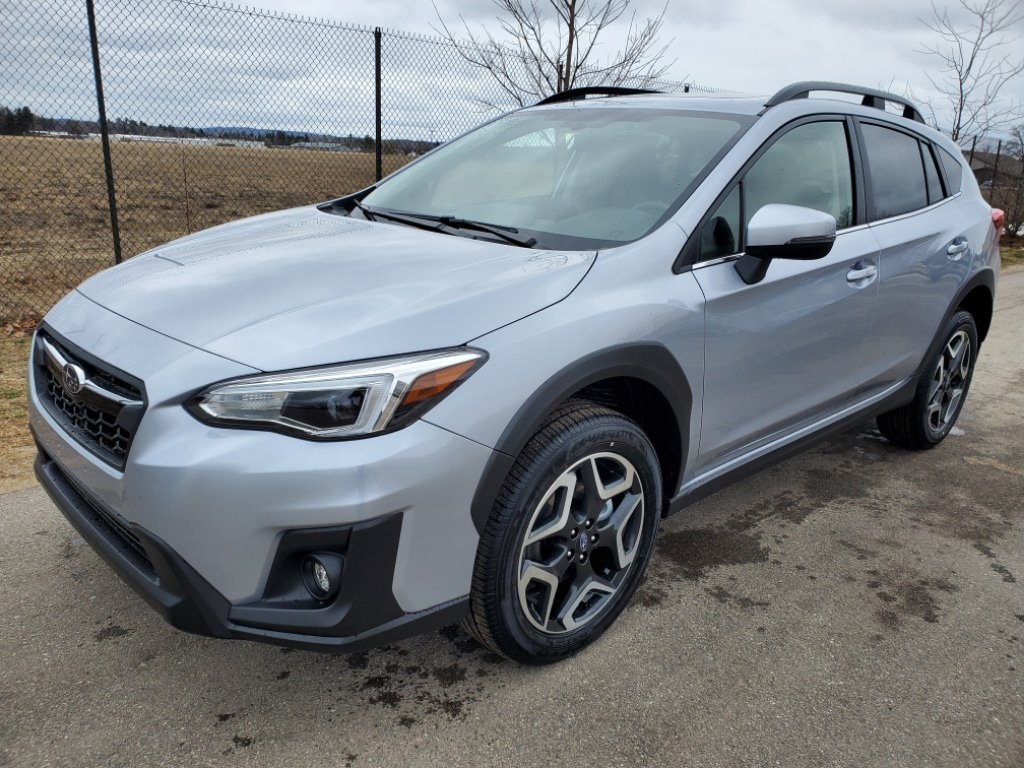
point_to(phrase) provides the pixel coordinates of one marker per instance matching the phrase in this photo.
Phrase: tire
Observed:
(586, 489)
(941, 390)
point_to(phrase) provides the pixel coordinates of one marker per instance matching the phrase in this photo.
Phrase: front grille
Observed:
(105, 411)
(96, 425)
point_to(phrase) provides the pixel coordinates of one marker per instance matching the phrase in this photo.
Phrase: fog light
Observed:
(320, 577)
(321, 573)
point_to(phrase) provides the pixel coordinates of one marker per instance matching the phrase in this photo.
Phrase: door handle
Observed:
(957, 248)
(861, 275)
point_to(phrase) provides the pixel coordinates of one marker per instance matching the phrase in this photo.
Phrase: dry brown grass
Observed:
(1012, 251)
(16, 448)
(55, 224)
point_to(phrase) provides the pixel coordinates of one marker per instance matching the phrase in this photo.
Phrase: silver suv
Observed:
(471, 391)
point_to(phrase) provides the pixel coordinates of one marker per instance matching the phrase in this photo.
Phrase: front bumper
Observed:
(363, 614)
(211, 510)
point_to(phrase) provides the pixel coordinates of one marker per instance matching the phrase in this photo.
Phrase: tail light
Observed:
(998, 220)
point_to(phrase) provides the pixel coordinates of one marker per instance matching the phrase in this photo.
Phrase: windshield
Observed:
(570, 178)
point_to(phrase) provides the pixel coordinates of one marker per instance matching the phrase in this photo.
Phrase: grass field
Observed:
(16, 449)
(55, 223)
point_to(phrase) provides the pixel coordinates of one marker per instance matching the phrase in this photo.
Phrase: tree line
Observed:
(20, 121)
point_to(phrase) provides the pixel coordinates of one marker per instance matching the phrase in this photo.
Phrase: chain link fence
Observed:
(214, 112)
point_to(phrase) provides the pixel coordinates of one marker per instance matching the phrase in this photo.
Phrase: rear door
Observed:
(925, 255)
(790, 349)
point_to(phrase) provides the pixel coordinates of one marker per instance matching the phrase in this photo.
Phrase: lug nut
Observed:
(574, 532)
(569, 554)
(583, 558)
(593, 537)
(589, 523)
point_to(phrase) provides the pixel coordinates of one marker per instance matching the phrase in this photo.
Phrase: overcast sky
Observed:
(202, 64)
(751, 46)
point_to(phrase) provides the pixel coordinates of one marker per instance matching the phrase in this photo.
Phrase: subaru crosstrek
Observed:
(471, 391)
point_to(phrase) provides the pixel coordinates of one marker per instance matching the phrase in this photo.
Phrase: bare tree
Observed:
(1009, 194)
(978, 57)
(549, 46)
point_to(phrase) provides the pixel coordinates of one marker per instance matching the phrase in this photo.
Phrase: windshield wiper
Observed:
(508, 234)
(412, 219)
(367, 213)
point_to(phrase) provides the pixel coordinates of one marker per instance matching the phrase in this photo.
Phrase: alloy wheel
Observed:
(949, 380)
(580, 543)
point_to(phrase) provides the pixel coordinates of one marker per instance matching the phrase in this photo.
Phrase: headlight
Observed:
(339, 401)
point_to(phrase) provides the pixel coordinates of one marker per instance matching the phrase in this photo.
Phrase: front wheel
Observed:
(941, 390)
(569, 538)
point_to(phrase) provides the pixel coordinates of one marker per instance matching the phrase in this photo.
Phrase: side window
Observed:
(720, 235)
(897, 173)
(808, 166)
(954, 171)
(931, 174)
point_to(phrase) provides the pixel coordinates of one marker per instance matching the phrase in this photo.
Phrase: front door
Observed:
(790, 350)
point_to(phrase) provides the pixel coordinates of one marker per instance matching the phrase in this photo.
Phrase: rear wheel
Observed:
(941, 390)
(569, 537)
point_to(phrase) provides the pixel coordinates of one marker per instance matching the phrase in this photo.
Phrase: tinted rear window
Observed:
(897, 174)
(954, 171)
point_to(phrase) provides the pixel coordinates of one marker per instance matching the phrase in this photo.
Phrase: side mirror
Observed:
(779, 231)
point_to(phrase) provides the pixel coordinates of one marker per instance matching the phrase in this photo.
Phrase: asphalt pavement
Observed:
(856, 606)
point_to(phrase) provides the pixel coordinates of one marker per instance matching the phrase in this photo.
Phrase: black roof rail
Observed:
(596, 90)
(870, 96)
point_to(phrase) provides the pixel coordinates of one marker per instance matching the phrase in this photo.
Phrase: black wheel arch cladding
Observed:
(649, 362)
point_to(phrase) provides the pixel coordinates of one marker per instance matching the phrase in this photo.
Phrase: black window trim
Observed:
(689, 256)
(927, 146)
(866, 169)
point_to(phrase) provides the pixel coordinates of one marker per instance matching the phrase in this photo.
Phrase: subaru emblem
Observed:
(583, 542)
(74, 379)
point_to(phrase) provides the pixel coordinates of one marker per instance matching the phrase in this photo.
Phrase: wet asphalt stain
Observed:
(999, 568)
(786, 507)
(1003, 571)
(905, 595)
(726, 597)
(977, 508)
(224, 717)
(863, 553)
(239, 742)
(110, 632)
(284, 674)
(422, 692)
(692, 553)
(833, 483)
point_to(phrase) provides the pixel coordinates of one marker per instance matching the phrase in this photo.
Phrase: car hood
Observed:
(303, 287)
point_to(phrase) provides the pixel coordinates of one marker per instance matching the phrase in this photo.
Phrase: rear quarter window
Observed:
(954, 171)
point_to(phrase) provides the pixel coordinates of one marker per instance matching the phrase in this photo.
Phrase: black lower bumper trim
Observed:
(188, 602)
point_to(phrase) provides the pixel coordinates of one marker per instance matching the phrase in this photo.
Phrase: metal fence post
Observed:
(995, 165)
(974, 143)
(377, 143)
(108, 167)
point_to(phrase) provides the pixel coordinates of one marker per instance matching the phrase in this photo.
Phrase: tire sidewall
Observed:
(612, 434)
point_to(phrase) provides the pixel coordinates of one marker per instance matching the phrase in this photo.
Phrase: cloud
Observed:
(200, 64)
